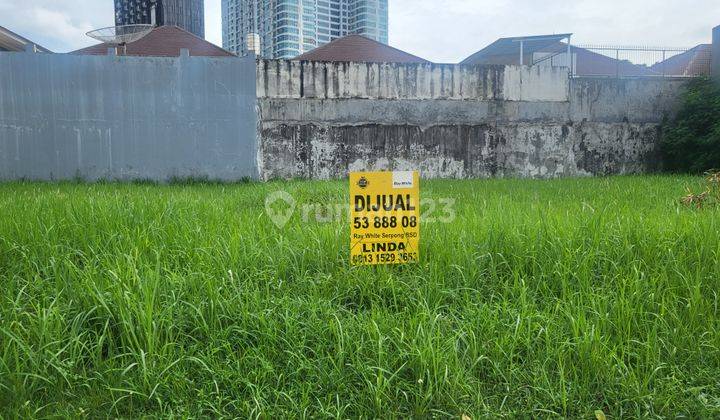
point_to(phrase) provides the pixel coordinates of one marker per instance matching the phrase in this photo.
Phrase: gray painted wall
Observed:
(322, 120)
(106, 117)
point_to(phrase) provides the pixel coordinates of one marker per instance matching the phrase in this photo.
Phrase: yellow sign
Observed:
(384, 217)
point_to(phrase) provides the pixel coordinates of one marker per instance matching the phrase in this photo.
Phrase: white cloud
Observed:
(55, 24)
(52, 23)
(213, 22)
(440, 30)
(450, 30)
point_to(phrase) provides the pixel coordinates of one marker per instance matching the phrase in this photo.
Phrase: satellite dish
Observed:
(121, 35)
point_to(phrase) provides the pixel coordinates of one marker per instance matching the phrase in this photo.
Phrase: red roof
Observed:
(359, 49)
(163, 41)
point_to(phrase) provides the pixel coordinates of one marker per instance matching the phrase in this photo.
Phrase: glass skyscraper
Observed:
(288, 28)
(187, 14)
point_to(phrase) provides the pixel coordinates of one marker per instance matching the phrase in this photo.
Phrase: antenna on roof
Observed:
(120, 36)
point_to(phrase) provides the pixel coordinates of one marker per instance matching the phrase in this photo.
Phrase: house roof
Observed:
(590, 63)
(359, 49)
(694, 62)
(507, 50)
(163, 41)
(10, 41)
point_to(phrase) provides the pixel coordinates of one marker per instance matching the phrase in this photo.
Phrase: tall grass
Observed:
(542, 298)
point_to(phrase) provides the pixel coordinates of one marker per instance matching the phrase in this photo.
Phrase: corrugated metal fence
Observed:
(64, 116)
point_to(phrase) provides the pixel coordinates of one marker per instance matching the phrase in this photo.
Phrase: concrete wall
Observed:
(322, 120)
(105, 117)
(65, 116)
(316, 80)
(716, 53)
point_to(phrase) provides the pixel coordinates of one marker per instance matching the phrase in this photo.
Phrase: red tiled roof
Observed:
(359, 49)
(163, 41)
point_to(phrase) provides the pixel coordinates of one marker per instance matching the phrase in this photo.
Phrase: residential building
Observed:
(163, 41)
(10, 41)
(187, 14)
(693, 62)
(552, 50)
(520, 50)
(359, 48)
(288, 28)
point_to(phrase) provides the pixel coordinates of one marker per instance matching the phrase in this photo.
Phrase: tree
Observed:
(691, 141)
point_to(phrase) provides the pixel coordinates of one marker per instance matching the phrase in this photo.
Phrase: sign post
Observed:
(384, 217)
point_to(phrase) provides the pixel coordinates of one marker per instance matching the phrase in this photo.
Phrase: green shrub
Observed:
(691, 141)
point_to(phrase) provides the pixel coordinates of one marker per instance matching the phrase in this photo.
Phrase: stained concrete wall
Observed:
(322, 120)
(318, 80)
(105, 117)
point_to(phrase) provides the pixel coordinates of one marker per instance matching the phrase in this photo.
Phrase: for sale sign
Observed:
(384, 217)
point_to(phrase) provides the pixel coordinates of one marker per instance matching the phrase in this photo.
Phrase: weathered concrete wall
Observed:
(317, 80)
(66, 116)
(455, 121)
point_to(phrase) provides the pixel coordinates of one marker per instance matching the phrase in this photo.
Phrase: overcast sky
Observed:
(438, 30)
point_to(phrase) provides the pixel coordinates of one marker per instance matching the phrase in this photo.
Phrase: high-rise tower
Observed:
(287, 28)
(187, 14)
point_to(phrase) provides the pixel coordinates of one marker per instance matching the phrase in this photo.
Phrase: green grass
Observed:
(542, 299)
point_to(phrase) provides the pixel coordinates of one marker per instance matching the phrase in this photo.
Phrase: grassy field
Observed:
(542, 299)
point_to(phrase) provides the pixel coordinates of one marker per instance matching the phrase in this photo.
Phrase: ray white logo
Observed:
(280, 206)
(403, 179)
